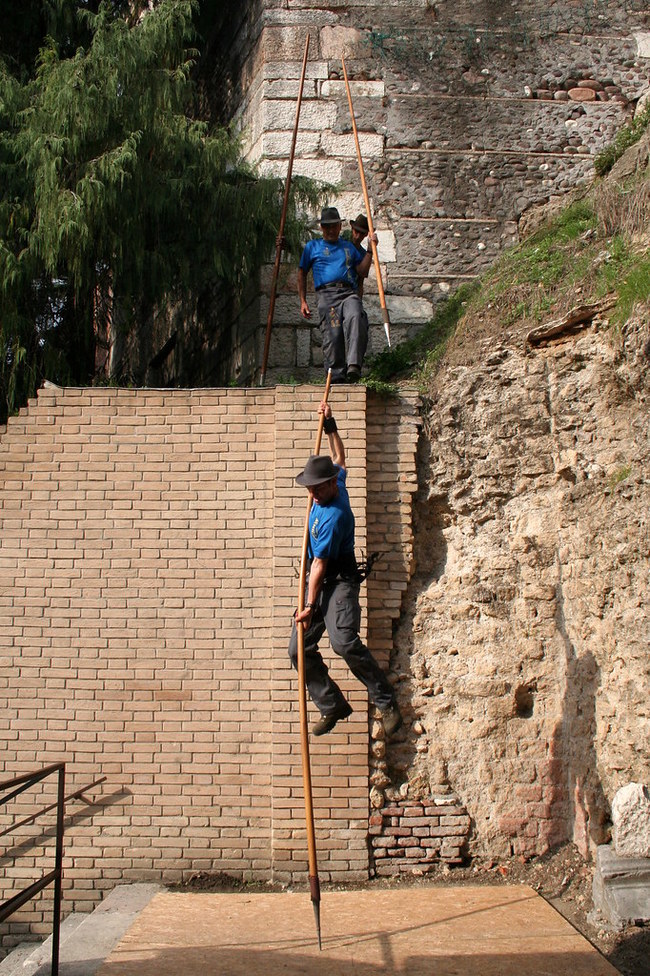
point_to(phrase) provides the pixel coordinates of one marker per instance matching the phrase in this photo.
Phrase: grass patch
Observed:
(623, 210)
(633, 289)
(618, 476)
(380, 387)
(596, 247)
(625, 138)
(423, 352)
(547, 257)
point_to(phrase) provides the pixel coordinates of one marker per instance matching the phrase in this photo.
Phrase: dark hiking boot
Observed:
(392, 719)
(353, 374)
(327, 722)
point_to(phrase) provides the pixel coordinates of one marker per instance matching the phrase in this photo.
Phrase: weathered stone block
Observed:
(278, 144)
(283, 70)
(401, 310)
(631, 821)
(582, 95)
(323, 170)
(346, 41)
(280, 114)
(286, 312)
(358, 89)
(386, 248)
(280, 88)
(642, 39)
(303, 347)
(286, 43)
(371, 145)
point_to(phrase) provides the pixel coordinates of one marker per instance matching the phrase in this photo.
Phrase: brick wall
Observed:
(149, 546)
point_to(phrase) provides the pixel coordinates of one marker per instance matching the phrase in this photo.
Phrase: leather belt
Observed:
(334, 284)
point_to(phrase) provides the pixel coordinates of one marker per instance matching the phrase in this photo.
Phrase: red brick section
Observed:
(408, 837)
(149, 546)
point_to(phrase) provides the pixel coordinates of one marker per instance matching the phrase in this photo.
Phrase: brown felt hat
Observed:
(361, 224)
(330, 215)
(319, 468)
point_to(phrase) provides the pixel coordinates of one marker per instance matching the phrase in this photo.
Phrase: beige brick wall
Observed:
(149, 550)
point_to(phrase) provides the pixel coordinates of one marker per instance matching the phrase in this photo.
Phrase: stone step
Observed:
(12, 965)
(86, 939)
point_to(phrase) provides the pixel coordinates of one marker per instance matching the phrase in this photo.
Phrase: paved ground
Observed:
(477, 930)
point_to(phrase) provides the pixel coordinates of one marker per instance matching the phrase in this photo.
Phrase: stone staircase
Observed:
(86, 939)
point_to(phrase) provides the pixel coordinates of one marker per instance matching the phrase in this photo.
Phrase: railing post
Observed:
(58, 871)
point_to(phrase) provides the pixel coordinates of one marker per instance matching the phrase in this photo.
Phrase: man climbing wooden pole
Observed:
(375, 256)
(328, 600)
(283, 217)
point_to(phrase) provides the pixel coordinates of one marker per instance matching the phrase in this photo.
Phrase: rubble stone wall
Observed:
(522, 652)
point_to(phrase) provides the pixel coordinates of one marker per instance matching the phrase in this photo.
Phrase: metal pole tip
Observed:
(317, 917)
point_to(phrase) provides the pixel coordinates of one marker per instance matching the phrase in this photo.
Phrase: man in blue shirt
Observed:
(336, 265)
(332, 597)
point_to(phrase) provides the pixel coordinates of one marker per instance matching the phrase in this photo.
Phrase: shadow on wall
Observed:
(417, 555)
(578, 806)
(431, 516)
(392, 444)
(91, 810)
(392, 438)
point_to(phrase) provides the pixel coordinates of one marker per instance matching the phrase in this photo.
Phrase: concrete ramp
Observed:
(464, 931)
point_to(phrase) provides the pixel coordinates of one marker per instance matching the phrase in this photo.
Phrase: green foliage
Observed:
(572, 251)
(382, 389)
(572, 259)
(625, 138)
(525, 280)
(420, 355)
(112, 190)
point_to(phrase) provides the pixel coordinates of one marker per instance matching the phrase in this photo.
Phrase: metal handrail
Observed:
(75, 795)
(54, 877)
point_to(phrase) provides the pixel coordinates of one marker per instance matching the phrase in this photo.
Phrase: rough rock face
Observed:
(524, 643)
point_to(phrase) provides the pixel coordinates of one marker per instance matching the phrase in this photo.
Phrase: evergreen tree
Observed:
(111, 191)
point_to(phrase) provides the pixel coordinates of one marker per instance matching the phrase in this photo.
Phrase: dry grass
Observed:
(624, 210)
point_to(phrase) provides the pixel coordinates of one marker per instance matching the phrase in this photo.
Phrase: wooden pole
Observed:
(314, 884)
(283, 217)
(380, 285)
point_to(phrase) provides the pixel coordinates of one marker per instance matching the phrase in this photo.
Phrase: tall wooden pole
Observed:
(283, 217)
(380, 285)
(314, 884)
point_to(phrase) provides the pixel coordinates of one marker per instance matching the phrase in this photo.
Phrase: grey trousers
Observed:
(339, 613)
(344, 328)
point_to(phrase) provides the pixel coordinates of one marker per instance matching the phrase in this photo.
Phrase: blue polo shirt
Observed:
(331, 526)
(332, 262)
